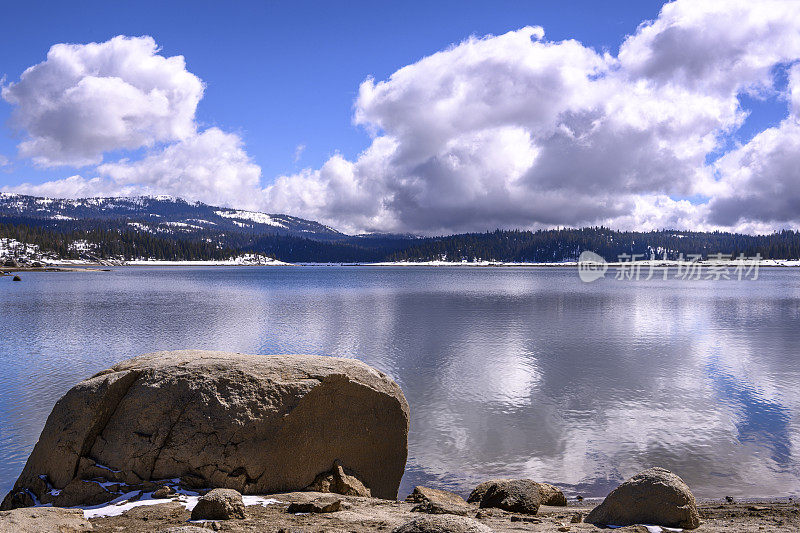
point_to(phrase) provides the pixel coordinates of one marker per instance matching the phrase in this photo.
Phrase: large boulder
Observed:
(258, 424)
(656, 497)
(515, 495)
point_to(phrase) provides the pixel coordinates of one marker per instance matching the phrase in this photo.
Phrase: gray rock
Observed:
(16, 278)
(44, 520)
(655, 496)
(259, 424)
(339, 480)
(515, 495)
(219, 504)
(442, 524)
(317, 505)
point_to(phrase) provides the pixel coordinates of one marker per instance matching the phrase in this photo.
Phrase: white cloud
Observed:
(298, 152)
(211, 166)
(84, 100)
(4, 161)
(72, 187)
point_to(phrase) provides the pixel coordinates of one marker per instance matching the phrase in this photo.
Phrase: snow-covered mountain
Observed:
(163, 215)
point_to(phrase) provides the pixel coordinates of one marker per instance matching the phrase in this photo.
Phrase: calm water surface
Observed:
(510, 372)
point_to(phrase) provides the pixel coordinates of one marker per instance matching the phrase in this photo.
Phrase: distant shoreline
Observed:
(77, 265)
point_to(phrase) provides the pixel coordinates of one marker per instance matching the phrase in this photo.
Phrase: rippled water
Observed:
(518, 372)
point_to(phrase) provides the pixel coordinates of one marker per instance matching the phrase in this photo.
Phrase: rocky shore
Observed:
(190, 440)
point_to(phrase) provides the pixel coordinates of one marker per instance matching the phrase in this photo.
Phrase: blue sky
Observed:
(282, 95)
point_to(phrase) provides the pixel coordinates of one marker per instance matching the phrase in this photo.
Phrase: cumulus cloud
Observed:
(73, 187)
(87, 99)
(517, 131)
(212, 166)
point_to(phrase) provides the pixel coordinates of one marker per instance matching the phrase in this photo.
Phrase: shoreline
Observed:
(361, 515)
(74, 266)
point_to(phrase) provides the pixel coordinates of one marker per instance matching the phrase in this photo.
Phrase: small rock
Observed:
(219, 504)
(317, 505)
(564, 528)
(44, 520)
(728, 499)
(655, 496)
(441, 508)
(423, 494)
(16, 278)
(579, 498)
(81, 492)
(163, 492)
(442, 524)
(577, 518)
(435, 501)
(483, 513)
(529, 519)
(515, 495)
(551, 495)
(339, 480)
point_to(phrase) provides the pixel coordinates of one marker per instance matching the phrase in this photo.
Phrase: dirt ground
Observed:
(364, 514)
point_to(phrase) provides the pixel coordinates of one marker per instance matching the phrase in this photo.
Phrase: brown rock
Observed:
(442, 524)
(551, 495)
(219, 504)
(163, 492)
(339, 480)
(435, 501)
(424, 494)
(80, 492)
(44, 520)
(257, 424)
(515, 495)
(655, 496)
(317, 505)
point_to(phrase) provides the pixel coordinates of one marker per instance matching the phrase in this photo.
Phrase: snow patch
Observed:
(253, 216)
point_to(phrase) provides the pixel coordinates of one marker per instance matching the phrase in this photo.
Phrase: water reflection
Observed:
(509, 372)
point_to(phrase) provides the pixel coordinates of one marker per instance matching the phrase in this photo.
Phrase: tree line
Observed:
(119, 240)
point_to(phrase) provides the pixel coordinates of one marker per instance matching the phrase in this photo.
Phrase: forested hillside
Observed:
(118, 239)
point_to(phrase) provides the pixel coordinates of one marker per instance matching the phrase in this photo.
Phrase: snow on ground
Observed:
(82, 246)
(246, 259)
(259, 218)
(180, 225)
(12, 247)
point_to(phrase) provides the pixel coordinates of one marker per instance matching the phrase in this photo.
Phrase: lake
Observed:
(509, 372)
